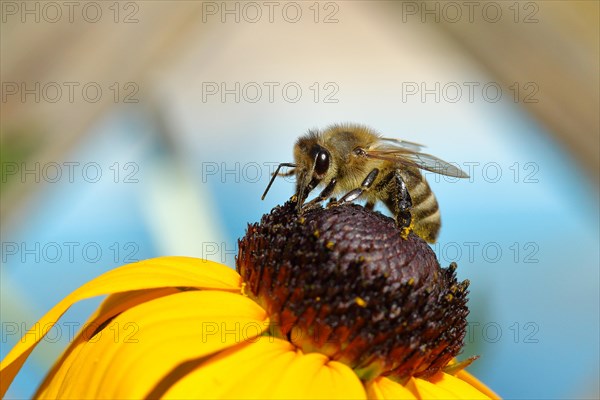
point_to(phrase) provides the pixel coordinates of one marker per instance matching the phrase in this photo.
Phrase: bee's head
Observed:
(312, 165)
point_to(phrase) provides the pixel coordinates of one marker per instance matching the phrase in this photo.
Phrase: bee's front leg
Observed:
(290, 172)
(365, 185)
(325, 193)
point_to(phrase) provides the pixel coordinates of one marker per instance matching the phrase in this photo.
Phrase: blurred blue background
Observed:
(197, 108)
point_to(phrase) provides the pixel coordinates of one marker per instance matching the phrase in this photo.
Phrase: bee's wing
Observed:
(415, 159)
(403, 144)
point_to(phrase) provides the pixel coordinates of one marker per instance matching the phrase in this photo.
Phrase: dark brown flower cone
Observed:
(343, 282)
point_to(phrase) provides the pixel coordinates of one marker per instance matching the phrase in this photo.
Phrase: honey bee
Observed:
(355, 161)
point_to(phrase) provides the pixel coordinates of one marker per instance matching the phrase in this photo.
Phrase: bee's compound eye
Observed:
(322, 162)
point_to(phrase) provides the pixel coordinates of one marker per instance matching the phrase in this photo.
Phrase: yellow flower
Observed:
(177, 327)
(174, 350)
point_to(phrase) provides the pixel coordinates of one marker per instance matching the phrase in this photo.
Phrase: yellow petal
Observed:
(313, 376)
(59, 374)
(154, 273)
(477, 384)
(145, 344)
(258, 385)
(268, 369)
(444, 386)
(110, 307)
(219, 376)
(384, 388)
(297, 380)
(116, 303)
(342, 382)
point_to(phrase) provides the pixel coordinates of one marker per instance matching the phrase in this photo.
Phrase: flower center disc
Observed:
(343, 282)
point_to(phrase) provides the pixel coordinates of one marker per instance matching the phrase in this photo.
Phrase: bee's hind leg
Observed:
(355, 193)
(402, 203)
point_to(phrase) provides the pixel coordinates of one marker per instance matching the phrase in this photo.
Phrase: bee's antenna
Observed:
(275, 174)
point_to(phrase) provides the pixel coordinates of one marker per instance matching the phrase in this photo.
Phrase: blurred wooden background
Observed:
(560, 53)
(557, 49)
